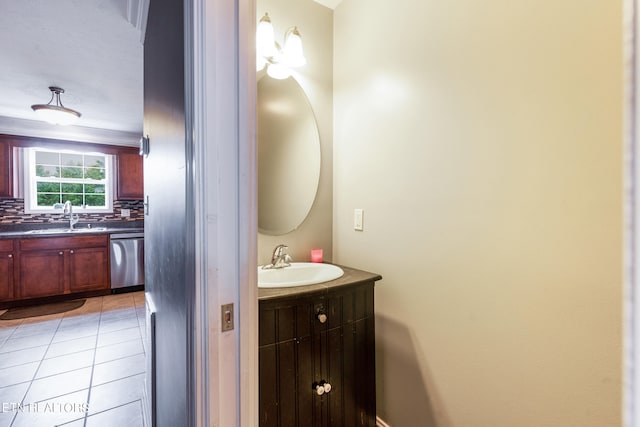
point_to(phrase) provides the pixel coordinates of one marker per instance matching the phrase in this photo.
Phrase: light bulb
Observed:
(265, 39)
(292, 54)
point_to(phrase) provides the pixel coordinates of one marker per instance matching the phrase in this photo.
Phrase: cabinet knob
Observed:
(71, 251)
(322, 317)
(10, 255)
(60, 253)
(322, 387)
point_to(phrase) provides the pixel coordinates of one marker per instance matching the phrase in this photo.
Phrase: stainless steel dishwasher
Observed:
(127, 260)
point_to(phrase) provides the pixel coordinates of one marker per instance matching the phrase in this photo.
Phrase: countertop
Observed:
(23, 231)
(351, 276)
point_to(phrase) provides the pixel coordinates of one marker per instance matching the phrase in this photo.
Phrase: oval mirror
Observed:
(288, 155)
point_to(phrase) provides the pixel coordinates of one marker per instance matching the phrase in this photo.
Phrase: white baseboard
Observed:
(381, 423)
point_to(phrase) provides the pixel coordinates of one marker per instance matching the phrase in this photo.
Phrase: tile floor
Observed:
(82, 368)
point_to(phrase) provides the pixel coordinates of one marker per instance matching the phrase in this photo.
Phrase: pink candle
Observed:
(316, 255)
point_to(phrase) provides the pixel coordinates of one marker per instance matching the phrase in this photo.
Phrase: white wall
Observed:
(484, 142)
(315, 23)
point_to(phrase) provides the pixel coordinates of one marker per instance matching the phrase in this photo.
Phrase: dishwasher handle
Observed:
(121, 236)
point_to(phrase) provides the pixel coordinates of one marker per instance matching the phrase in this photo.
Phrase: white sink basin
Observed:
(298, 274)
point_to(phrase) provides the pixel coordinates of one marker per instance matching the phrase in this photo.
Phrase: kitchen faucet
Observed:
(68, 209)
(280, 258)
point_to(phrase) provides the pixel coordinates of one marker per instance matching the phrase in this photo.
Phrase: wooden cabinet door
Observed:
(346, 359)
(41, 273)
(286, 364)
(286, 392)
(88, 269)
(349, 366)
(351, 357)
(130, 176)
(6, 276)
(6, 171)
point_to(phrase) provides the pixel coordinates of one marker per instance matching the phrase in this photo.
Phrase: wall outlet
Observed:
(357, 219)
(125, 213)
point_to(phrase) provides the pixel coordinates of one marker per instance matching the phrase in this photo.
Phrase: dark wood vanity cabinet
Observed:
(317, 359)
(62, 265)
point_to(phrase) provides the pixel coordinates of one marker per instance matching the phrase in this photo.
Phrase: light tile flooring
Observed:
(82, 368)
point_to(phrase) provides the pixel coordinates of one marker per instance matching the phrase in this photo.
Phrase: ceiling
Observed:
(92, 49)
(331, 4)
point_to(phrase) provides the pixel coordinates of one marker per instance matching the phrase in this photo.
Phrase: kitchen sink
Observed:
(67, 230)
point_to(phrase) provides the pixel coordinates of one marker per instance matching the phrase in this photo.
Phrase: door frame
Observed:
(631, 367)
(221, 96)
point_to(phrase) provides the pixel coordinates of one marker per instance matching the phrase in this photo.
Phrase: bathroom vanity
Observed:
(317, 353)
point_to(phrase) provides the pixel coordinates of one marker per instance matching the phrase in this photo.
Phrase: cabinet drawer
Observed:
(6, 245)
(63, 242)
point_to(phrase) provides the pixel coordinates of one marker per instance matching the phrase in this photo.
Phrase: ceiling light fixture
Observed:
(57, 113)
(278, 61)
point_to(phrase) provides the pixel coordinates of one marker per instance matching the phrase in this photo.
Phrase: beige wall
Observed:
(484, 142)
(315, 23)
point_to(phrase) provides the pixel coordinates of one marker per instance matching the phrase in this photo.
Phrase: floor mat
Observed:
(41, 310)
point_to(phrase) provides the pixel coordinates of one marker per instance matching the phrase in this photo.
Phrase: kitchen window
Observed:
(53, 177)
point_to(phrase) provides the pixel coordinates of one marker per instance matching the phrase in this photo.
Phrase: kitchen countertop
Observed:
(351, 276)
(22, 231)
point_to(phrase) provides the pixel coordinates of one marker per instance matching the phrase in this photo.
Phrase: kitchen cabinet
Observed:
(317, 358)
(62, 265)
(88, 269)
(41, 273)
(6, 269)
(6, 171)
(128, 163)
(129, 175)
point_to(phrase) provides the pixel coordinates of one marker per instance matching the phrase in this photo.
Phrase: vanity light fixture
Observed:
(278, 61)
(57, 113)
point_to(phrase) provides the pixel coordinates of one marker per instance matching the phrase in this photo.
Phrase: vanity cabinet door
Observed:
(347, 361)
(286, 364)
(286, 395)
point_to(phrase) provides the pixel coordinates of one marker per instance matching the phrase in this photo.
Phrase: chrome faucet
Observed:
(280, 258)
(68, 209)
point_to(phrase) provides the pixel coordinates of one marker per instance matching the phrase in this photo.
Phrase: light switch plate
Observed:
(227, 317)
(357, 219)
(125, 213)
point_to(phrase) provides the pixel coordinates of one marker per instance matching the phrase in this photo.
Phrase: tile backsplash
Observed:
(12, 212)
